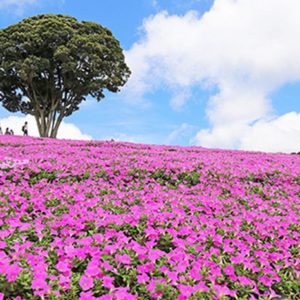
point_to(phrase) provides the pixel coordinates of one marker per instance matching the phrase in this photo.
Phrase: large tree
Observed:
(50, 63)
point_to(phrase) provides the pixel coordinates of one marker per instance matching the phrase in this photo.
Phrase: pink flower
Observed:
(229, 270)
(87, 296)
(86, 282)
(98, 237)
(63, 266)
(201, 286)
(237, 259)
(142, 278)
(92, 269)
(107, 282)
(181, 297)
(105, 297)
(185, 290)
(107, 266)
(13, 272)
(39, 284)
(245, 280)
(265, 280)
(129, 189)
(153, 255)
(122, 294)
(151, 285)
(123, 259)
(222, 290)
(227, 248)
(172, 276)
(148, 267)
(70, 251)
(64, 281)
(2, 244)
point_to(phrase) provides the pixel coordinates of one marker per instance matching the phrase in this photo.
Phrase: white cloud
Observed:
(66, 130)
(179, 99)
(17, 7)
(226, 136)
(245, 48)
(181, 131)
(155, 3)
(278, 134)
(124, 137)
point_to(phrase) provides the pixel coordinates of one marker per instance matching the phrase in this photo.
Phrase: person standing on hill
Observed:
(1, 132)
(25, 128)
(7, 131)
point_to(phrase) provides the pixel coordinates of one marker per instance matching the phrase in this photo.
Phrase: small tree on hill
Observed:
(50, 63)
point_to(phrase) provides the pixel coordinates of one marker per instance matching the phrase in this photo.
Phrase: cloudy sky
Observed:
(219, 74)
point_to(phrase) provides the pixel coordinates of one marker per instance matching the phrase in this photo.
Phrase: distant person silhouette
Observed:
(1, 132)
(25, 128)
(12, 132)
(7, 131)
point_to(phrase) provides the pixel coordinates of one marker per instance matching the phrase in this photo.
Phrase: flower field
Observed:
(110, 220)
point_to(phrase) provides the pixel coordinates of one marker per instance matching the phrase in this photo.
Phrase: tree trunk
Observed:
(55, 125)
(48, 124)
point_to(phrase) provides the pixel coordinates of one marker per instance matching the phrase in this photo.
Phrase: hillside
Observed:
(110, 220)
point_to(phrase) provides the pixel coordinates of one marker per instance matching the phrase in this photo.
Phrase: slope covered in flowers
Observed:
(108, 220)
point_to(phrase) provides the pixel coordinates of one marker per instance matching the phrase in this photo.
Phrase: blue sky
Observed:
(210, 73)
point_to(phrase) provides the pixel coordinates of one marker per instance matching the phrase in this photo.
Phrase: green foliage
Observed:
(289, 285)
(165, 243)
(101, 174)
(168, 292)
(189, 178)
(19, 287)
(50, 63)
(35, 177)
(52, 202)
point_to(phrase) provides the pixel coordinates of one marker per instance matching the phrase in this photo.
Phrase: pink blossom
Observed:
(64, 281)
(201, 286)
(122, 294)
(245, 280)
(185, 290)
(86, 282)
(87, 296)
(107, 266)
(12, 272)
(142, 278)
(107, 282)
(229, 270)
(153, 255)
(222, 290)
(2, 244)
(93, 269)
(124, 259)
(171, 215)
(105, 297)
(63, 266)
(148, 267)
(265, 280)
(39, 283)
(70, 250)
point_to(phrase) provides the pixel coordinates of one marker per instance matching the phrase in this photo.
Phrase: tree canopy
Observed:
(50, 63)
